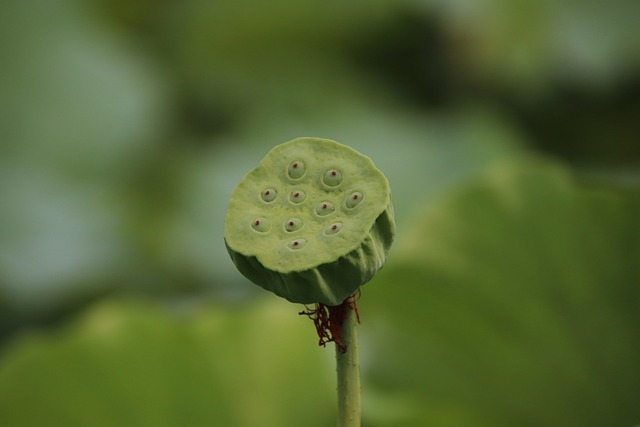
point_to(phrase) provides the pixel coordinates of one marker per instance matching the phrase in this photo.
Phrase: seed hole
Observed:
(325, 208)
(297, 244)
(260, 224)
(332, 177)
(296, 169)
(297, 196)
(293, 224)
(269, 195)
(354, 199)
(333, 228)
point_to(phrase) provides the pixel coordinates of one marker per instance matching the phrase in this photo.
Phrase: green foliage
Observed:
(514, 302)
(133, 364)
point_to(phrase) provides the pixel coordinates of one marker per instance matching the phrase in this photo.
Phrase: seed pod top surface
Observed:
(312, 222)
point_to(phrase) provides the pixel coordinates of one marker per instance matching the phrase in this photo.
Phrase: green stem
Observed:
(348, 367)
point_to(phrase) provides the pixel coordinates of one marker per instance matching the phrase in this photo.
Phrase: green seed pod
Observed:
(312, 222)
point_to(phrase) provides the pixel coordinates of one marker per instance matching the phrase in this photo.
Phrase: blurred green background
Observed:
(510, 134)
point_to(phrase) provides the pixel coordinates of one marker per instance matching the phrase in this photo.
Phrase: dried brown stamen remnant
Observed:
(328, 320)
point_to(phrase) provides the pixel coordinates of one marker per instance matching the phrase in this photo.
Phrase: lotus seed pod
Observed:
(312, 222)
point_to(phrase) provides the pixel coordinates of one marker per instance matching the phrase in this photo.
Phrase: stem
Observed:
(348, 368)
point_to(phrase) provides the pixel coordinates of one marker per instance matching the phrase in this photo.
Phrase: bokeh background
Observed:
(510, 134)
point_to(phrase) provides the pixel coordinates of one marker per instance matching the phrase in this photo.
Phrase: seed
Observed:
(293, 224)
(354, 199)
(261, 225)
(325, 208)
(269, 195)
(296, 169)
(332, 177)
(297, 196)
(297, 244)
(333, 228)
